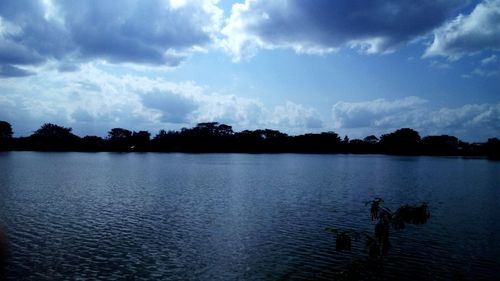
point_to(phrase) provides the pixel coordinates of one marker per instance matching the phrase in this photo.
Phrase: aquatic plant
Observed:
(3, 253)
(377, 244)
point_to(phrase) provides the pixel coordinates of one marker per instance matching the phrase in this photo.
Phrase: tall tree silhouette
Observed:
(92, 143)
(216, 137)
(120, 139)
(493, 149)
(53, 137)
(5, 135)
(326, 142)
(140, 140)
(440, 145)
(371, 139)
(402, 141)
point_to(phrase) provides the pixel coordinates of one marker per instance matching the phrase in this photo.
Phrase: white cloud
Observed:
(439, 65)
(468, 34)
(489, 60)
(486, 72)
(470, 121)
(372, 113)
(92, 101)
(292, 115)
(488, 67)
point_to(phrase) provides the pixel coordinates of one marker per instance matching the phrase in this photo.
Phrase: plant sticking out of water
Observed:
(377, 243)
(3, 253)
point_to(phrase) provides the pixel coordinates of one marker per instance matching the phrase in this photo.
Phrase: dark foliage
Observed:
(204, 137)
(263, 141)
(324, 142)
(53, 137)
(402, 141)
(3, 253)
(408, 214)
(119, 139)
(371, 139)
(141, 140)
(5, 130)
(377, 244)
(375, 207)
(92, 143)
(5, 135)
(440, 145)
(493, 149)
(216, 137)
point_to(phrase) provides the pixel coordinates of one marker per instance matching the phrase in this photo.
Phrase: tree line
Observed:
(216, 137)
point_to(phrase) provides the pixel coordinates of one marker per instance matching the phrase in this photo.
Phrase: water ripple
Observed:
(238, 217)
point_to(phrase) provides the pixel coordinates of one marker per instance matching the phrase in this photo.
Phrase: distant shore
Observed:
(220, 138)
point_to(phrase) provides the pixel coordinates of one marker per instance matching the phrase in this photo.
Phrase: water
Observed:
(240, 217)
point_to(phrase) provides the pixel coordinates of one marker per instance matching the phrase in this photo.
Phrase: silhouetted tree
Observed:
(215, 137)
(161, 134)
(493, 149)
(5, 135)
(140, 140)
(250, 141)
(368, 145)
(359, 146)
(440, 145)
(119, 134)
(371, 139)
(50, 130)
(166, 141)
(209, 136)
(92, 143)
(120, 139)
(326, 142)
(402, 141)
(212, 129)
(273, 140)
(5, 130)
(53, 137)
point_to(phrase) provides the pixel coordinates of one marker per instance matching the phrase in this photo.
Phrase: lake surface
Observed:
(150, 216)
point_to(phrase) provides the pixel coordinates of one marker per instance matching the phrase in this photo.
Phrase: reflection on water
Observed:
(236, 216)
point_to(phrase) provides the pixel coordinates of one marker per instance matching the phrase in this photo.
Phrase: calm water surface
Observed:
(239, 216)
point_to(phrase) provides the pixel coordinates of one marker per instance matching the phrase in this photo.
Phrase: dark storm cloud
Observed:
(67, 67)
(15, 53)
(7, 70)
(144, 32)
(137, 31)
(26, 28)
(313, 26)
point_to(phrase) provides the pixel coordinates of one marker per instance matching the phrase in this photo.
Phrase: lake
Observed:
(150, 216)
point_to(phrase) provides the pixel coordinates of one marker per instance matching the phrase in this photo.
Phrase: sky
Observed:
(353, 67)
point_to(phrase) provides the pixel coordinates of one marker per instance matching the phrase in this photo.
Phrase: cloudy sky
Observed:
(353, 67)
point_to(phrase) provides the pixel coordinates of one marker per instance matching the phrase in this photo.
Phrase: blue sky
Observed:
(353, 67)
